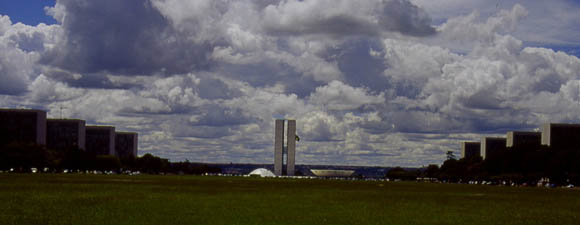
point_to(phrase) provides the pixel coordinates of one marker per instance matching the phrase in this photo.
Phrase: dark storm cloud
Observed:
(128, 37)
(211, 88)
(484, 99)
(300, 85)
(339, 25)
(405, 17)
(347, 18)
(359, 67)
(267, 73)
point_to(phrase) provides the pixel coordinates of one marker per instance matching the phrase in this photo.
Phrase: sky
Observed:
(373, 82)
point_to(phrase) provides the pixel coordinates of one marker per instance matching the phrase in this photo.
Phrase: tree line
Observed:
(22, 157)
(515, 165)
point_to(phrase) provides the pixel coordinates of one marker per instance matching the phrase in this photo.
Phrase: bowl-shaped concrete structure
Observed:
(332, 173)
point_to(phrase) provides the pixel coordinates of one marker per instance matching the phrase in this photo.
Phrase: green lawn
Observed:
(118, 199)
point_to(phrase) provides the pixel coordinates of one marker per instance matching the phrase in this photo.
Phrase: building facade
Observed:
(470, 149)
(523, 139)
(281, 150)
(291, 149)
(492, 146)
(278, 147)
(126, 144)
(561, 136)
(100, 140)
(23, 126)
(65, 134)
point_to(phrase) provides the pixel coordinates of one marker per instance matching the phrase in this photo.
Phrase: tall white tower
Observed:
(280, 150)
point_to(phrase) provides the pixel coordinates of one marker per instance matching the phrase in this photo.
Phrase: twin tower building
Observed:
(285, 147)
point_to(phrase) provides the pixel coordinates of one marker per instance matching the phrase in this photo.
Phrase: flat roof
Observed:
(125, 132)
(525, 132)
(99, 127)
(563, 124)
(21, 110)
(493, 138)
(64, 120)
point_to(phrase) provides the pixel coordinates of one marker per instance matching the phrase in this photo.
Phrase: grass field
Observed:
(118, 199)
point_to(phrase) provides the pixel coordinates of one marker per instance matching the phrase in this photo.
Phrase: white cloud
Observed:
(44, 90)
(339, 96)
(369, 82)
(20, 48)
(5, 24)
(15, 70)
(414, 62)
(467, 30)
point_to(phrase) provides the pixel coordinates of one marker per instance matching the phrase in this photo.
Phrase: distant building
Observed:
(523, 139)
(332, 173)
(65, 134)
(261, 172)
(291, 147)
(22, 125)
(100, 140)
(491, 146)
(281, 150)
(278, 147)
(561, 136)
(126, 144)
(470, 149)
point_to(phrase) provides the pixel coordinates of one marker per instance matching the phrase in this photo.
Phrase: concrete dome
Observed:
(262, 173)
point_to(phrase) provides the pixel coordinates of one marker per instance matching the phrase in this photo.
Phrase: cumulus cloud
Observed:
(15, 69)
(347, 18)
(553, 23)
(496, 80)
(338, 96)
(5, 24)
(102, 36)
(413, 62)
(43, 89)
(369, 82)
(467, 27)
(20, 48)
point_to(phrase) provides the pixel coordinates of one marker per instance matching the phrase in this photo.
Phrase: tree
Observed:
(450, 170)
(450, 155)
(128, 163)
(152, 164)
(399, 173)
(431, 171)
(23, 156)
(107, 163)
